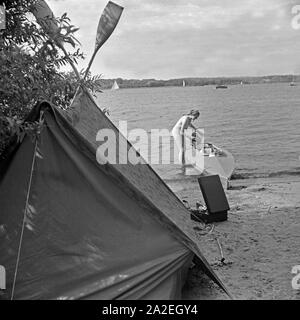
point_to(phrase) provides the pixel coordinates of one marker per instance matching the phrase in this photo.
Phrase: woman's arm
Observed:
(191, 125)
(183, 125)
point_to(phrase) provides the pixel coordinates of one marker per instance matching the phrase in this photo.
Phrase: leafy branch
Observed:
(30, 66)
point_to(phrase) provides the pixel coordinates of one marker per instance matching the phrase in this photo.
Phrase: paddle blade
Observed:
(107, 23)
(2, 17)
(45, 17)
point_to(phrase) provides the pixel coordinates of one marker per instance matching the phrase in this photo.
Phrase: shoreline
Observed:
(260, 240)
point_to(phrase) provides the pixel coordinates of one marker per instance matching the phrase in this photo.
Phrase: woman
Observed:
(178, 131)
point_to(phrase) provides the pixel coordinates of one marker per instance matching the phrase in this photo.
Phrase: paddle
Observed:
(107, 24)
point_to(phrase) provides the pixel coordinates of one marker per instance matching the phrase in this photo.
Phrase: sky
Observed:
(166, 39)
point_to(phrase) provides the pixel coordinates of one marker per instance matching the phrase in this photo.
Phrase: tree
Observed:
(30, 67)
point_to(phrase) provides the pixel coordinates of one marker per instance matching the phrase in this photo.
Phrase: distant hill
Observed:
(145, 83)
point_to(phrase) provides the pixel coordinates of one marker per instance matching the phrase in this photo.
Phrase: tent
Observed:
(71, 228)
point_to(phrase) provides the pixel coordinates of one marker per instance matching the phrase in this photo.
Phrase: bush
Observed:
(30, 63)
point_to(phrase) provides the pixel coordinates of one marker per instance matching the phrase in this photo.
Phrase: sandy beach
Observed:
(260, 241)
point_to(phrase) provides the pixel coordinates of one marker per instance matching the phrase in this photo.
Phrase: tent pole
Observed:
(24, 218)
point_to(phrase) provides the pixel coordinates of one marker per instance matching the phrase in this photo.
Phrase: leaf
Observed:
(10, 121)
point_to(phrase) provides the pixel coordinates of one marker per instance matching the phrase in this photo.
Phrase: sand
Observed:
(260, 241)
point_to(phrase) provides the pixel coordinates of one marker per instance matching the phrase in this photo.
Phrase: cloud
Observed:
(170, 15)
(177, 38)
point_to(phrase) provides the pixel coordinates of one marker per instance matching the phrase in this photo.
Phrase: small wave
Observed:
(256, 175)
(285, 173)
(239, 174)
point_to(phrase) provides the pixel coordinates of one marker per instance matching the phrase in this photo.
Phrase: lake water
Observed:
(258, 124)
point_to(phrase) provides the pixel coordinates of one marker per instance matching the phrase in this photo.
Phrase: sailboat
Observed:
(293, 84)
(183, 83)
(115, 86)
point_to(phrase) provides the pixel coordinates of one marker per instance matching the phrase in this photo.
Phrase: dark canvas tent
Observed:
(74, 229)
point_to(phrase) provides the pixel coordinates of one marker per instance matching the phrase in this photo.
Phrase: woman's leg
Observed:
(181, 151)
(179, 140)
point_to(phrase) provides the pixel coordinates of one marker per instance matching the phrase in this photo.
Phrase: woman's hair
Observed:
(194, 113)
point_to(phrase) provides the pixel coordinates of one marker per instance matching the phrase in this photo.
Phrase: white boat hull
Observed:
(211, 161)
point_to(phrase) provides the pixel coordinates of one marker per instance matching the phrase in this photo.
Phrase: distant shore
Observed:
(194, 81)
